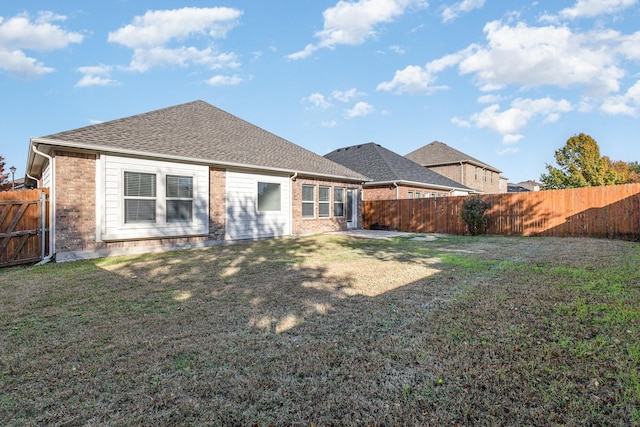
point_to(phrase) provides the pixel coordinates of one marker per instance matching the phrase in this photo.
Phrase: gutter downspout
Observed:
(293, 178)
(397, 190)
(51, 203)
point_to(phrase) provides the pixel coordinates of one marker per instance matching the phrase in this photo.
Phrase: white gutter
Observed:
(52, 199)
(418, 184)
(107, 149)
(293, 178)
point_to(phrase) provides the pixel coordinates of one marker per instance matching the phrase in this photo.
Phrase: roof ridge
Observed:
(384, 158)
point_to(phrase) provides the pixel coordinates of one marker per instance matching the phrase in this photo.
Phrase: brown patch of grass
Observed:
(328, 330)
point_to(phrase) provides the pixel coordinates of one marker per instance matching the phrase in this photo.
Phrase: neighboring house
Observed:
(524, 186)
(530, 185)
(184, 176)
(503, 186)
(394, 176)
(458, 166)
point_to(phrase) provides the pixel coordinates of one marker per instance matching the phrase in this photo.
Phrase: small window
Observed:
(139, 197)
(308, 201)
(179, 198)
(417, 194)
(338, 202)
(475, 174)
(484, 175)
(324, 201)
(269, 197)
(411, 194)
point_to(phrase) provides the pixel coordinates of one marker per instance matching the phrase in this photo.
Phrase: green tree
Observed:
(5, 184)
(634, 172)
(580, 165)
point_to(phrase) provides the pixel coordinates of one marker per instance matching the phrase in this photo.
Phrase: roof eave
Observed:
(136, 153)
(419, 184)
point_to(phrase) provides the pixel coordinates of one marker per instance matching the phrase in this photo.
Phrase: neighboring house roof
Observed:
(385, 166)
(438, 153)
(530, 185)
(201, 133)
(515, 188)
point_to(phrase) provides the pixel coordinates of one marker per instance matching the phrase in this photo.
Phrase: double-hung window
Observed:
(308, 201)
(324, 201)
(139, 197)
(338, 201)
(179, 198)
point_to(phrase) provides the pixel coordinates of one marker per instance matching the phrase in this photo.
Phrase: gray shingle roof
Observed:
(439, 153)
(201, 132)
(383, 165)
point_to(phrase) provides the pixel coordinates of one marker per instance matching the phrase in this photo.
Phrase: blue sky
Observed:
(505, 82)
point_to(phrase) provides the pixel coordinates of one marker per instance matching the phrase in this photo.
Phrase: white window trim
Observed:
(312, 202)
(111, 194)
(326, 203)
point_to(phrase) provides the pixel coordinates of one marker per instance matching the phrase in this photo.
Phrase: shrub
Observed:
(473, 214)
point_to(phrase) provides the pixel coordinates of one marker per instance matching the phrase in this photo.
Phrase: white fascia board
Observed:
(145, 154)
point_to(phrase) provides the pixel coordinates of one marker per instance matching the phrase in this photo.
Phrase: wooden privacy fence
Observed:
(610, 211)
(23, 225)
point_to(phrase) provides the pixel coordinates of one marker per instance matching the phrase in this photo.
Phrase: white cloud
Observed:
(452, 12)
(415, 79)
(410, 80)
(537, 56)
(319, 101)
(630, 46)
(346, 95)
(221, 80)
(352, 23)
(329, 124)
(19, 33)
(590, 9)
(98, 75)
(359, 110)
(509, 122)
(460, 122)
(489, 99)
(144, 59)
(156, 28)
(627, 104)
(153, 37)
(512, 139)
(529, 57)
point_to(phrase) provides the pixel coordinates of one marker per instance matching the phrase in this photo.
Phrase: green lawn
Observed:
(328, 330)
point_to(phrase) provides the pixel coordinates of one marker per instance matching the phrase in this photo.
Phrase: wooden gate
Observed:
(23, 226)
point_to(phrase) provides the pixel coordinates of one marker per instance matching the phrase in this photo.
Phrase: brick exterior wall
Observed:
(388, 192)
(75, 214)
(302, 226)
(465, 174)
(217, 203)
(75, 193)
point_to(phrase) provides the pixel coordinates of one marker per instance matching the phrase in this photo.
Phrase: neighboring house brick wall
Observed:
(302, 226)
(388, 192)
(217, 203)
(466, 174)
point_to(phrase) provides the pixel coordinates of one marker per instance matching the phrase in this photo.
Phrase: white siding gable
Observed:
(244, 219)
